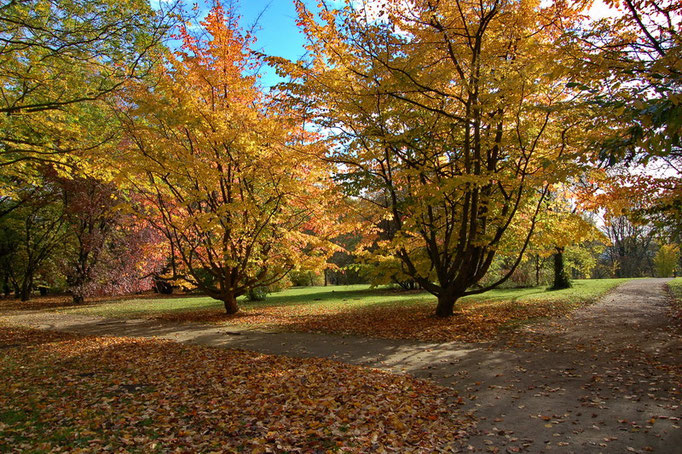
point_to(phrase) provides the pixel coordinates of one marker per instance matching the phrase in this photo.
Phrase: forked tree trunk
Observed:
(561, 280)
(230, 302)
(446, 304)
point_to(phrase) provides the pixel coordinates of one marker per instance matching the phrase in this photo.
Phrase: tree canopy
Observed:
(248, 203)
(451, 119)
(59, 63)
(434, 144)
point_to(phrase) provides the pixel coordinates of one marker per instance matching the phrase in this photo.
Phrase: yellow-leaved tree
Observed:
(449, 118)
(227, 173)
(563, 225)
(61, 62)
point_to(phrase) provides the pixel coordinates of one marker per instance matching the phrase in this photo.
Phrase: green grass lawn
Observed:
(344, 298)
(675, 287)
(360, 310)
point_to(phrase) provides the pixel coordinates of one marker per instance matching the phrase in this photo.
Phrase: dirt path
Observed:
(606, 379)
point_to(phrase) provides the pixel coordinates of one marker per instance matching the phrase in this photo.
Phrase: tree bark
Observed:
(25, 294)
(230, 302)
(78, 299)
(537, 270)
(6, 288)
(446, 305)
(163, 287)
(561, 280)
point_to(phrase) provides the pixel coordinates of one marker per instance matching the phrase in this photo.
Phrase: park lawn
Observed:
(94, 394)
(360, 310)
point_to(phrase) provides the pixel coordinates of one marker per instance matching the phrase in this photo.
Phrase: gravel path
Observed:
(607, 379)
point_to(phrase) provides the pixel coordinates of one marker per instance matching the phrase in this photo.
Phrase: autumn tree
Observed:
(227, 174)
(561, 225)
(631, 66)
(632, 250)
(59, 63)
(107, 251)
(135, 251)
(667, 259)
(30, 235)
(640, 209)
(450, 118)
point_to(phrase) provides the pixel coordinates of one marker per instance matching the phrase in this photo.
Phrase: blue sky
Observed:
(276, 31)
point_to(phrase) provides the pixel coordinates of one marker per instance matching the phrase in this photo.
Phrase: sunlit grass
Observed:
(675, 287)
(344, 298)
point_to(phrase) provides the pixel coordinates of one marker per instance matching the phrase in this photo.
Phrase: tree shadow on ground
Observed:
(125, 392)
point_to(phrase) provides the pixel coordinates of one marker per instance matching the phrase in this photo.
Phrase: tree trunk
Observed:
(25, 294)
(163, 287)
(77, 298)
(561, 280)
(231, 306)
(6, 288)
(537, 270)
(446, 305)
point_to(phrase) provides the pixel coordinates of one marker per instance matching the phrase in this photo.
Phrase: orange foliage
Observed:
(140, 395)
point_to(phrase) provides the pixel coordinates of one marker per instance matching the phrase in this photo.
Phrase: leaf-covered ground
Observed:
(371, 312)
(475, 319)
(73, 393)
(473, 323)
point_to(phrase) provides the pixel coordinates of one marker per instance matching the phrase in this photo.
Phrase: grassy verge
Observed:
(89, 394)
(675, 289)
(369, 312)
